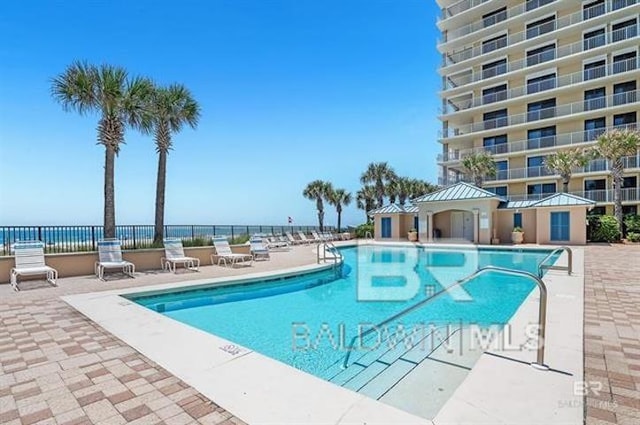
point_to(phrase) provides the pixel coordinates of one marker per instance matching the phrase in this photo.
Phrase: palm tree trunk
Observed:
(161, 182)
(321, 220)
(478, 180)
(109, 222)
(565, 184)
(339, 210)
(616, 172)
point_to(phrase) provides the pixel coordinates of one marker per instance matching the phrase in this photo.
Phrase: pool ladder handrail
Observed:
(327, 245)
(569, 267)
(542, 310)
(368, 236)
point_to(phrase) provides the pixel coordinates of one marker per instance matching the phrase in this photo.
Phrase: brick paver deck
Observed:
(612, 334)
(58, 367)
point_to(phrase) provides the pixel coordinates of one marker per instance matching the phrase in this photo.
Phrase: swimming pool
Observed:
(307, 321)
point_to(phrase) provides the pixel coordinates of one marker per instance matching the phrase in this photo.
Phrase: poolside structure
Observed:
(468, 213)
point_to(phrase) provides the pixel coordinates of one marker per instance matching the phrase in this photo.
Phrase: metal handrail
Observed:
(368, 235)
(332, 248)
(542, 311)
(568, 267)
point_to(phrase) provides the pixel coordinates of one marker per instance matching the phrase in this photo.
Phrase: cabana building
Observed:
(467, 213)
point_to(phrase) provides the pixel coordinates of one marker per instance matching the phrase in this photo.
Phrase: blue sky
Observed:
(290, 90)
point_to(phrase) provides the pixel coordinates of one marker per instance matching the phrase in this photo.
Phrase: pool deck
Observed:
(57, 366)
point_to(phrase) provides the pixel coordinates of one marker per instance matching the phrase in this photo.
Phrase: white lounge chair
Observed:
(277, 243)
(29, 258)
(258, 248)
(110, 257)
(316, 236)
(174, 254)
(292, 240)
(225, 255)
(304, 238)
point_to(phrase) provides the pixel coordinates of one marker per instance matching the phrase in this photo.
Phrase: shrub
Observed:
(199, 241)
(362, 230)
(633, 237)
(633, 223)
(239, 240)
(606, 229)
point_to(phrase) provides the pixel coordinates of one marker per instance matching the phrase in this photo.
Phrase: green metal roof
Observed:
(516, 204)
(457, 192)
(563, 200)
(394, 209)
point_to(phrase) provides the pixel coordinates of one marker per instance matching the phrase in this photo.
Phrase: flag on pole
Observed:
(290, 220)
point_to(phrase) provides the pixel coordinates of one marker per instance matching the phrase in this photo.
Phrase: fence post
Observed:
(134, 236)
(247, 230)
(214, 230)
(232, 237)
(40, 233)
(93, 238)
(193, 233)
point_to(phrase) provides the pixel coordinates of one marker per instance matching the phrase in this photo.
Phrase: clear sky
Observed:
(290, 90)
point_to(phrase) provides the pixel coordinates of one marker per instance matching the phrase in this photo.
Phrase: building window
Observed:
(535, 166)
(619, 4)
(596, 190)
(495, 119)
(625, 62)
(544, 137)
(629, 210)
(385, 227)
(498, 190)
(560, 226)
(628, 120)
(538, 191)
(502, 170)
(541, 110)
(494, 17)
(593, 9)
(593, 39)
(541, 27)
(494, 44)
(598, 211)
(624, 93)
(538, 84)
(541, 54)
(534, 4)
(624, 30)
(595, 70)
(594, 128)
(494, 68)
(517, 220)
(496, 144)
(595, 99)
(494, 94)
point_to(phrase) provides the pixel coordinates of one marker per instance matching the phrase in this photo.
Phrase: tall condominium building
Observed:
(524, 79)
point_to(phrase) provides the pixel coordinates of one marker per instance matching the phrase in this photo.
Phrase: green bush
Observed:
(606, 229)
(239, 240)
(633, 223)
(362, 230)
(633, 237)
(199, 241)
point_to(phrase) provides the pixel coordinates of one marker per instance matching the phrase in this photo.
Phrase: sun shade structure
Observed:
(29, 258)
(174, 254)
(110, 257)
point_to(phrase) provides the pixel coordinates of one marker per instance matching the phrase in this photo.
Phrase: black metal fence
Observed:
(84, 238)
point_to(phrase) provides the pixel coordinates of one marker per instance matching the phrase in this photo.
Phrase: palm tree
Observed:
(479, 165)
(119, 100)
(339, 198)
(317, 191)
(613, 146)
(392, 190)
(404, 187)
(366, 199)
(420, 187)
(172, 108)
(379, 174)
(563, 163)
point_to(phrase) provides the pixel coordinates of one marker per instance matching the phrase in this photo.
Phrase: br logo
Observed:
(399, 274)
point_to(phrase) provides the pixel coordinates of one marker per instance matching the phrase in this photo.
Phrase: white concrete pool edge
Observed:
(259, 389)
(253, 387)
(502, 389)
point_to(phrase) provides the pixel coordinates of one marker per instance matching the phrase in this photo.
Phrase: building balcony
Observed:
(464, 102)
(464, 5)
(504, 176)
(456, 79)
(569, 109)
(629, 194)
(457, 34)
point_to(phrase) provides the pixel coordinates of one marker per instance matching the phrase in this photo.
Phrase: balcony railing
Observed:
(546, 113)
(552, 83)
(629, 194)
(532, 60)
(560, 140)
(459, 7)
(595, 165)
(588, 13)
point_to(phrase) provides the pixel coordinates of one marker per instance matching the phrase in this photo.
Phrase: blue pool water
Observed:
(306, 320)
